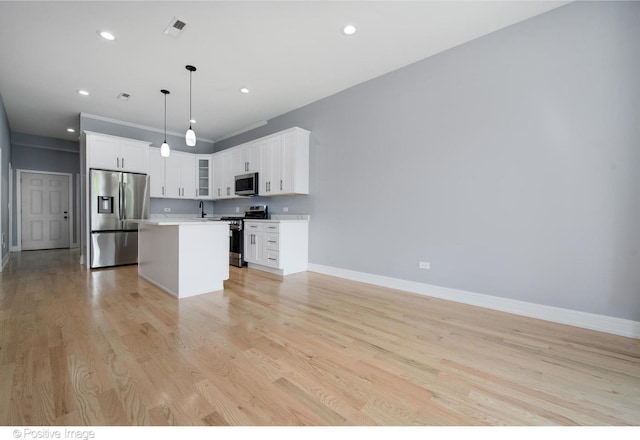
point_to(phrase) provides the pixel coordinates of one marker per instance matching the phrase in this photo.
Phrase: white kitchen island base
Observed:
(184, 258)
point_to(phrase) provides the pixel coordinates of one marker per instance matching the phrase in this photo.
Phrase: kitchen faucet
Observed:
(201, 207)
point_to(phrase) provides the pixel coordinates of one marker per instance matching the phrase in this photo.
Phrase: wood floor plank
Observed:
(105, 347)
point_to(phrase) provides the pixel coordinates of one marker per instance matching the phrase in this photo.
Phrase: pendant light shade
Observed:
(165, 151)
(190, 136)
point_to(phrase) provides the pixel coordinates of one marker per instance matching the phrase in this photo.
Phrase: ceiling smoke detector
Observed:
(176, 27)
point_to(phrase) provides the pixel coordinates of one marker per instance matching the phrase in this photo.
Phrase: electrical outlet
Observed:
(424, 265)
(285, 209)
(167, 209)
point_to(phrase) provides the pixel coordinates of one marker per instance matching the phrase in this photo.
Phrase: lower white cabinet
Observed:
(277, 246)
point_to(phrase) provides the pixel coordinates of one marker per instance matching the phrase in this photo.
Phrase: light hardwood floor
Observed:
(107, 348)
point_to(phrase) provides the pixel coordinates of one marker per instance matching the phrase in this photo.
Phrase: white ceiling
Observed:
(289, 53)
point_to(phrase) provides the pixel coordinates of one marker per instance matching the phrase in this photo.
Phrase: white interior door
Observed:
(44, 208)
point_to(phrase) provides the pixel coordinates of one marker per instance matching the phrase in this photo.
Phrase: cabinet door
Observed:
(228, 177)
(289, 163)
(235, 160)
(264, 171)
(250, 158)
(156, 173)
(173, 189)
(134, 156)
(253, 246)
(216, 164)
(103, 152)
(271, 165)
(203, 177)
(188, 175)
(223, 175)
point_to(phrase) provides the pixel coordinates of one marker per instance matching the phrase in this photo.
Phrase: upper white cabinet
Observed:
(247, 158)
(156, 173)
(223, 175)
(281, 161)
(204, 182)
(116, 153)
(285, 163)
(180, 175)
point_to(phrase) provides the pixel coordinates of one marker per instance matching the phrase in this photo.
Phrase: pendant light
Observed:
(165, 151)
(190, 136)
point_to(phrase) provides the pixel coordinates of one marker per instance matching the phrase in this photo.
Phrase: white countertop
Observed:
(184, 222)
(281, 218)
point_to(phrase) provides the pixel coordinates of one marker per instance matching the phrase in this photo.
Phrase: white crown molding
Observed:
(142, 127)
(44, 147)
(242, 130)
(591, 321)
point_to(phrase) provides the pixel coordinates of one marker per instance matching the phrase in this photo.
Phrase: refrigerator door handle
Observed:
(120, 202)
(123, 214)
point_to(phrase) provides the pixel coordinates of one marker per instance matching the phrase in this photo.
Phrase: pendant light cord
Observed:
(165, 118)
(190, 73)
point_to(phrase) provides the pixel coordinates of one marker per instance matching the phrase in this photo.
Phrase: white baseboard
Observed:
(591, 321)
(5, 260)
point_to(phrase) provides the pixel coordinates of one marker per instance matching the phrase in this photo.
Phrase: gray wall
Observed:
(510, 163)
(40, 153)
(5, 149)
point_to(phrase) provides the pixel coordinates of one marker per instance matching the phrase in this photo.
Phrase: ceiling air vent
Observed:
(176, 27)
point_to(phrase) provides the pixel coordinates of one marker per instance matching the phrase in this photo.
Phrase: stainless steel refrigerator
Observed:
(118, 201)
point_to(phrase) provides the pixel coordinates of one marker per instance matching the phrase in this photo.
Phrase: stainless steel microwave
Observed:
(247, 185)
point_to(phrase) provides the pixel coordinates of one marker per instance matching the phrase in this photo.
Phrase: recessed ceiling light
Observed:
(71, 130)
(106, 35)
(83, 92)
(349, 29)
(244, 90)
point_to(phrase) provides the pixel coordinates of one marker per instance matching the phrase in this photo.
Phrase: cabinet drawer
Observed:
(254, 227)
(272, 259)
(272, 227)
(273, 242)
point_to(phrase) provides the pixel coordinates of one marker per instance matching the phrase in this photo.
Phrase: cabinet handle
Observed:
(272, 259)
(163, 190)
(218, 192)
(117, 162)
(271, 241)
(280, 184)
(123, 162)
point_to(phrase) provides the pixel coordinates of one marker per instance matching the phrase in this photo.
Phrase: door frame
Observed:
(19, 204)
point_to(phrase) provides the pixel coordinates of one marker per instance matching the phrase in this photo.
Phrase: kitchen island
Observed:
(184, 257)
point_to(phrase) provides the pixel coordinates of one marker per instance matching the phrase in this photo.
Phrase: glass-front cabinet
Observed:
(203, 176)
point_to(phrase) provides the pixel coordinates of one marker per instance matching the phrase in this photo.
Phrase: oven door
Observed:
(236, 246)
